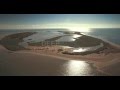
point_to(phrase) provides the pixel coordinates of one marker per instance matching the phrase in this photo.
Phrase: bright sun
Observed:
(79, 29)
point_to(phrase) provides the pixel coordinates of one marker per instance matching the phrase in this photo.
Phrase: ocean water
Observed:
(109, 34)
(4, 33)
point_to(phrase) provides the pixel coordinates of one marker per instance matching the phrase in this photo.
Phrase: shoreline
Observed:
(19, 63)
(99, 65)
(98, 59)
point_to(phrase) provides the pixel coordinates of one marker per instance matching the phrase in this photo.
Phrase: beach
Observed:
(30, 63)
(100, 60)
(24, 63)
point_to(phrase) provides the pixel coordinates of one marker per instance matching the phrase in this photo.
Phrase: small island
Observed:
(11, 42)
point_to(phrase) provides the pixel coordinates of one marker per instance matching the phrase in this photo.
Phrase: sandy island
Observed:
(104, 61)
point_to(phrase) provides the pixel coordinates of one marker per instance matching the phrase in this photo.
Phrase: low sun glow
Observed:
(79, 29)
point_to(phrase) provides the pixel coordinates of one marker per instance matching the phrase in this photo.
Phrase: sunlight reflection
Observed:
(76, 36)
(80, 50)
(78, 68)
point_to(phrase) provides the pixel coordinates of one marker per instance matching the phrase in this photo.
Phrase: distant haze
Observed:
(70, 21)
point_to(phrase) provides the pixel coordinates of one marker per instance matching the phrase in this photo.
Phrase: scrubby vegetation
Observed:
(11, 41)
(59, 50)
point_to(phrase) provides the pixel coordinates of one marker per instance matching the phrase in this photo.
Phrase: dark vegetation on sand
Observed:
(11, 41)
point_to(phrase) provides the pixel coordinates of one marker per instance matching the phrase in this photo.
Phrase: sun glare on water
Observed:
(77, 68)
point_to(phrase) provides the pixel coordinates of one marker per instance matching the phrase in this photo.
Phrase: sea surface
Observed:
(108, 34)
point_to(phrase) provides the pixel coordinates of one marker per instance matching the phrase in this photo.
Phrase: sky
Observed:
(23, 21)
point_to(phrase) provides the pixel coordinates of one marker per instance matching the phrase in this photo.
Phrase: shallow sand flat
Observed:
(32, 64)
(35, 62)
(53, 51)
(1, 36)
(101, 61)
(113, 69)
